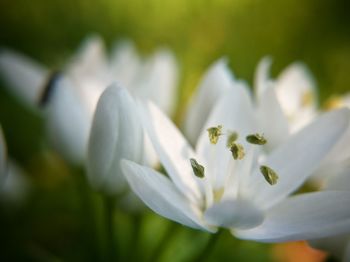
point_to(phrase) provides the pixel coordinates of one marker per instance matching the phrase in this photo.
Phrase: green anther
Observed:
(214, 133)
(256, 139)
(198, 169)
(270, 176)
(232, 137)
(237, 151)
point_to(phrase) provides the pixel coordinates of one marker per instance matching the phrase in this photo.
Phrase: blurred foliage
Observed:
(49, 227)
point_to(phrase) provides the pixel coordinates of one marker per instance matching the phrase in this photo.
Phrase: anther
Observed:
(256, 139)
(198, 169)
(270, 175)
(237, 151)
(214, 133)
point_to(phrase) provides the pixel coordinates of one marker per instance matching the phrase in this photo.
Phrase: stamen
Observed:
(218, 193)
(232, 137)
(198, 169)
(256, 139)
(270, 176)
(237, 151)
(214, 133)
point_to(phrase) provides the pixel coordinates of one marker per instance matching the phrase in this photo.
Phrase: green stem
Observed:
(165, 240)
(109, 203)
(134, 246)
(87, 213)
(208, 248)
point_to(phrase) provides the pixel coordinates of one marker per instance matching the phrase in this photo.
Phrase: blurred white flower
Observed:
(218, 191)
(295, 91)
(116, 133)
(152, 79)
(69, 98)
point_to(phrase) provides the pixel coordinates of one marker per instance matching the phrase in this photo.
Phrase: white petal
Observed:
(336, 164)
(125, 64)
(297, 95)
(158, 81)
(24, 77)
(216, 80)
(234, 111)
(89, 72)
(240, 214)
(161, 195)
(173, 151)
(292, 84)
(116, 133)
(90, 60)
(340, 181)
(262, 76)
(90, 91)
(307, 216)
(150, 157)
(273, 122)
(332, 174)
(67, 119)
(340, 153)
(237, 183)
(295, 160)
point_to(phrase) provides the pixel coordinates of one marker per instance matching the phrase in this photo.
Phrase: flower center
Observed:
(238, 153)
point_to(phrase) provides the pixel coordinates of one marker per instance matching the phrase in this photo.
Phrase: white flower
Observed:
(69, 99)
(116, 133)
(233, 193)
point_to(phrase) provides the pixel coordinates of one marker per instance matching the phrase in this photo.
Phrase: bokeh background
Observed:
(53, 222)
